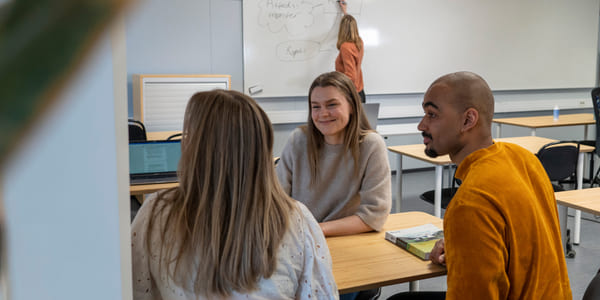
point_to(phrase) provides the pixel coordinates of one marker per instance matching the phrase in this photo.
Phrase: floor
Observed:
(581, 269)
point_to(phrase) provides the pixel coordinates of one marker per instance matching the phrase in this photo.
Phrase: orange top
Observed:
(502, 234)
(349, 61)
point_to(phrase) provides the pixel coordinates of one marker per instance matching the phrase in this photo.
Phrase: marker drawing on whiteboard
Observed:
(255, 89)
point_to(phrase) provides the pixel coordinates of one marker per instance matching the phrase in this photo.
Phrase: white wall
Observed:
(66, 191)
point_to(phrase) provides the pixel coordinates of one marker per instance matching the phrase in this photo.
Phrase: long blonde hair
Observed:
(357, 128)
(225, 221)
(349, 32)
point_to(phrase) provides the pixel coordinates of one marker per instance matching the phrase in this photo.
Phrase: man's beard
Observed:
(431, 152)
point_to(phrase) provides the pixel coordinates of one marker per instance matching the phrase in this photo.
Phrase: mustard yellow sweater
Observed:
(502, 230)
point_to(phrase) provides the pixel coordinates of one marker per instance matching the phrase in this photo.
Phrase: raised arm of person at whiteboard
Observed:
(343, 5)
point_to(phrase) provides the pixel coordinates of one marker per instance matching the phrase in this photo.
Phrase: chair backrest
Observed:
(592, 292)
(137, 131)
(176, 136)
(559, 159)
(596, 104)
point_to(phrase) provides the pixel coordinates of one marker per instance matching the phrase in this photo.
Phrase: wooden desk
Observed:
(365, 261)
(546, 121)
(160, 135)
(587, 200)
(417, 151)
(142, 189)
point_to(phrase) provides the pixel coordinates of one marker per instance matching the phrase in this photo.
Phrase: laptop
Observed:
(153, 161)
(372, 112)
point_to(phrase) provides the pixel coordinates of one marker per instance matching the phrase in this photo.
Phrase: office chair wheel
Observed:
(570, 253)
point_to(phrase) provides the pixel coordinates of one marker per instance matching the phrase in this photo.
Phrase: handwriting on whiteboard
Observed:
(296, 21)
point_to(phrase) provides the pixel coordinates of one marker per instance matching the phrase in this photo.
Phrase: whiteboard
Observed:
(513, 44)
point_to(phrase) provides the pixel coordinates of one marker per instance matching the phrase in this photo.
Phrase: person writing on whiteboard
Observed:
(352, 50)
(501, 230)
(228, 231)
(336, 164)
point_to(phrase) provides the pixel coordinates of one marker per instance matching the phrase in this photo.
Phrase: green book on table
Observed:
(417, 240)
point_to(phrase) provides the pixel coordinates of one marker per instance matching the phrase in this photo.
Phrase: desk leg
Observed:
(562, 217)
(532, 131)
(577, 227)
(437, 203)
(450, 177)
(499, 131)
(585, 132)
(398, 182)
(413, 286)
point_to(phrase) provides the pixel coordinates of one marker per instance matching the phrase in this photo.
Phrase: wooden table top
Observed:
(531, 143)
(534, 143)
(548, 121)
(365, 261)
(139, 189)
(587, 200)
(418, 151)
(160, 135)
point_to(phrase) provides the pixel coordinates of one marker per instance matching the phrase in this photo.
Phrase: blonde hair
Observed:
(349, 32)
(225, 221)
(357, 128)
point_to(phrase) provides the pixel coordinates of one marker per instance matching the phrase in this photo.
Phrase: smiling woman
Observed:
(337, 164)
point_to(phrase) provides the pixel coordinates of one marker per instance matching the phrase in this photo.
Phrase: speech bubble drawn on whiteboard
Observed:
(297, 50)
(293, 15)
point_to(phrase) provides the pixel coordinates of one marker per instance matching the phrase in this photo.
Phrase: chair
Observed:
(594, 179)
(137, 131)
(560, 161)
(447, 194)
(592, 292)
(176, 136)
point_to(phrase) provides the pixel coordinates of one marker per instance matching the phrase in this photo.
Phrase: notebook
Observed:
(372, 112)
(154, 161)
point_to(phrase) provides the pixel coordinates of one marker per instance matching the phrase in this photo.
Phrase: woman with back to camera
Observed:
(336, 164)
(228, 230)
(352, 50)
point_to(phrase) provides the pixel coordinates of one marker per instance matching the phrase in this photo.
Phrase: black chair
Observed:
(372, 294)
(176, 136)
(137, 131)
(594, 179)
(447, 194)
(592, 292)
(560, 161)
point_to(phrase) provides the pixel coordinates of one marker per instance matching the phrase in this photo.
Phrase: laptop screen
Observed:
(154, 157)
(372, 112)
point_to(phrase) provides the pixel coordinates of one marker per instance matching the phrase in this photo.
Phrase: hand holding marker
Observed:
(342, 5)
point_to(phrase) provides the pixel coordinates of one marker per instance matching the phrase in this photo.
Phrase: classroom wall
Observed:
(185, 37)
(65, 190)
(205, 36)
